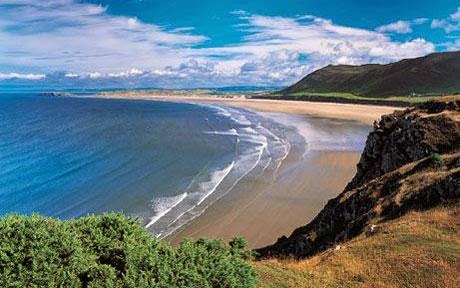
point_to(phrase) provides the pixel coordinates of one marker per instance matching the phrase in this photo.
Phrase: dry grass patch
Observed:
(421, 249)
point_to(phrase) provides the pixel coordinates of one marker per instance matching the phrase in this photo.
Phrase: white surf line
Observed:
(286, 145)
(226, 171)
(202, 211)
(186, 194)
(230, 132)
(287, 149)
(164, 212)
(263, 148)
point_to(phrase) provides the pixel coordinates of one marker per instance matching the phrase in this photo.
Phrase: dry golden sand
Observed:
(363, 113)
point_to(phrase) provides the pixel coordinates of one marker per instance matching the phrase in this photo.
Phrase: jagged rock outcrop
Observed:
(407, 136)
(399, 170)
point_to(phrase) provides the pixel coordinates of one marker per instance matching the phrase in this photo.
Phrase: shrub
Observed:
(437, 160)
(111, 251)
(237, 246)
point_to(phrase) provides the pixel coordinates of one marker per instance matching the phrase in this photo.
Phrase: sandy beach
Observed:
(262, 211)
(362, 113)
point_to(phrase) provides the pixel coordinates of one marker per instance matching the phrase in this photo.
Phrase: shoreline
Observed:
(262, 211)
(366, 114)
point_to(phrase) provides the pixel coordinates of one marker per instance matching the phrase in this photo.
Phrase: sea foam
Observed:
(256, 148)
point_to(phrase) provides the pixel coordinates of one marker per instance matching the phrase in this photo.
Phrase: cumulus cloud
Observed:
(91, 45)
(400, 27)
(4, 76)
(322, 38)
(450, 24)
(69, 35)
(275, 43)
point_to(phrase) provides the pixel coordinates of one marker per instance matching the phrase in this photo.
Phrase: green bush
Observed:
(111, 251)
(437, 160)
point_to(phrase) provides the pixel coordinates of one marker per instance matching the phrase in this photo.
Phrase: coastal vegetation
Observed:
(345, 97)
(112, 251)
(420, 249)
(437, 160)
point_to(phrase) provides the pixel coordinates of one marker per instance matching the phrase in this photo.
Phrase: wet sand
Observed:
(261, 209)
(262, 212)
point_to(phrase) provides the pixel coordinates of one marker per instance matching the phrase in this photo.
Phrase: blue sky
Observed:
(212, 43)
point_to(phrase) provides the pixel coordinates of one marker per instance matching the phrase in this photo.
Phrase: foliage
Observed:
(237, 246)
(111, 251)
(437, 160)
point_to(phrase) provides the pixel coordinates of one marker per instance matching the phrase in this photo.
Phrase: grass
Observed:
(350, 96)
(421, 249)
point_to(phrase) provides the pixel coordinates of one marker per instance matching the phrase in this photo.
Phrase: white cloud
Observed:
(4, 76)
(452, 45)
(451, 24)
(71, 75)
(400, 27)
(68, 35)
(130, 73)
(90, 44)
(455, 16)
(94, 75)
(275, 43)
(420, 21)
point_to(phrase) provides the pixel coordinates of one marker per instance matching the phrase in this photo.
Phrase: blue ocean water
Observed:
(162, 162)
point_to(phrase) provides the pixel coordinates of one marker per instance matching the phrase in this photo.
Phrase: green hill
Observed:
(437, 73)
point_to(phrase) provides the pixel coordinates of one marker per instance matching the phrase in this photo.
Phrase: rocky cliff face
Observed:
(411, 161)
(407, 136)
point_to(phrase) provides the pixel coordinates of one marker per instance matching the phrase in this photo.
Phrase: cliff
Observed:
(411, 162)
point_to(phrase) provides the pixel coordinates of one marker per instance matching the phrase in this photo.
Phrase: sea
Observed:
(163, 163)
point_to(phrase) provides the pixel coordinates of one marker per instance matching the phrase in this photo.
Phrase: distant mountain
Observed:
(437, 73)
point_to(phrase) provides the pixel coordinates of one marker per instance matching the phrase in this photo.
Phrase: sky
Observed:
(182, 44)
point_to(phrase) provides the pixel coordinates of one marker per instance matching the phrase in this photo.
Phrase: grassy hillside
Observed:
(437, 73)
(421, 249)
